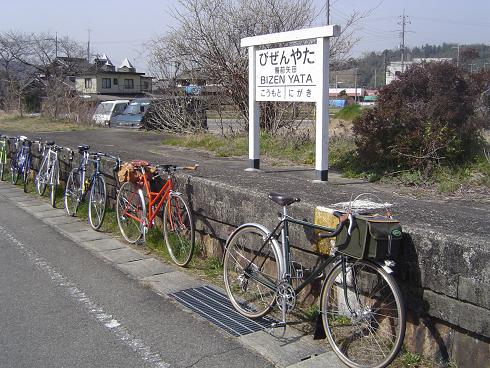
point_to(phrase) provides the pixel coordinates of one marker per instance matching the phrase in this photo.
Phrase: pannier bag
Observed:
(373, 237)
(128, 172)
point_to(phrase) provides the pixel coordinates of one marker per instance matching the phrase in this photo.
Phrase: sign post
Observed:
(296, 73)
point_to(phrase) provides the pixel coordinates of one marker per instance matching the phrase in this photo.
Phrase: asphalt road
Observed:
(63, 307)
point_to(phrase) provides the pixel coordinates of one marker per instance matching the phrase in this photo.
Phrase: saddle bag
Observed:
(373, 237)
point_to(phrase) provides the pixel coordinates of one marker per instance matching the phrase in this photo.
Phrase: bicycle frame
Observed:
(49, 158)
(284, 252)
(156, 199)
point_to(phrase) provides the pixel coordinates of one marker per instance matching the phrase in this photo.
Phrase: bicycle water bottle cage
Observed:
(283, 200)
(83, 148)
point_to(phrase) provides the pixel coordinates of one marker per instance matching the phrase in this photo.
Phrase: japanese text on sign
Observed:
(287, 74)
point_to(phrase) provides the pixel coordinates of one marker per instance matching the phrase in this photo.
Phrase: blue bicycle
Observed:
(20, 164)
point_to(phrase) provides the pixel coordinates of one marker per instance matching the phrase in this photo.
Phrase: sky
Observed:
(121, 28)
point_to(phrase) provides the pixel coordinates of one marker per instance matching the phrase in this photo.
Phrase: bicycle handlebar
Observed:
(173, 168)
(343, 217)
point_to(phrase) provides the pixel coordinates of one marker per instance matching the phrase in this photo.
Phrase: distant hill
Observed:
(474, 56)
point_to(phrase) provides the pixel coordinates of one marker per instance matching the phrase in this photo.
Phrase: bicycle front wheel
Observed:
(14, 170)
(73, 192)
(2, 169)
(26, 174)
(97, 202)
(131, 212)
(55, 175)
(251, 271)
(365, 318)
(178, 230)
(42, 177)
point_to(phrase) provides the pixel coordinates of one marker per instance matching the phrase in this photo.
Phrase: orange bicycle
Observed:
(138, 206)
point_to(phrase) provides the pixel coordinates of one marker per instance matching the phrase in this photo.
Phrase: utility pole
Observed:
(355, 85)
(328, 12)
(375, 84)
(404, 21)
(385, 62)
(88, 45)
(457, 59)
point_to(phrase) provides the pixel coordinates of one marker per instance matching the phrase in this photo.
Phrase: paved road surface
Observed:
(63, 307)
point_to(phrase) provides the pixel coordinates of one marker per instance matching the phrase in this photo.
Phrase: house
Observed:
(103, 79)
(395, 68)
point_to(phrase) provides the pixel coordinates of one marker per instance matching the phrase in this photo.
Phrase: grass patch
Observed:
(30, 124)
(282, 149)
(350, 112)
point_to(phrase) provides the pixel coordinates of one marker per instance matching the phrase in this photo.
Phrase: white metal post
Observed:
(321, 139)
(253, 115)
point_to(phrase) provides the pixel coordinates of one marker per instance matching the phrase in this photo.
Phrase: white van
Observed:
(107, 109)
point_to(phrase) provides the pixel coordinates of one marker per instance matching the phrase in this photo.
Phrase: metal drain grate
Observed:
(216, 308)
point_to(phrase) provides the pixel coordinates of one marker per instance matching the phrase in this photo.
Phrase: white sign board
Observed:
(288, 73)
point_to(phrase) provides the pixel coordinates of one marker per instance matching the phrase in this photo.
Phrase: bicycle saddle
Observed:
(282, 199)
(83, 148)
(49, 143)
(140, 163)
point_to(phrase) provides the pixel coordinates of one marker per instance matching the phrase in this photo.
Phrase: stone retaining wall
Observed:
(445, 278)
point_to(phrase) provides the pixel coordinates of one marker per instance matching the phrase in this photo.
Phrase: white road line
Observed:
(106, 320)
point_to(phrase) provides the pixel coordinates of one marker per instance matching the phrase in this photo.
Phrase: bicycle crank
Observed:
(285, 297)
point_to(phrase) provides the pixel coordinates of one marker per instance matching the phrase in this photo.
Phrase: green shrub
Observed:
(350, 112)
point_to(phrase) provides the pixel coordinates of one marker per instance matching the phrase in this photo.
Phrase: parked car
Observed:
(106, 110)
(133, 115)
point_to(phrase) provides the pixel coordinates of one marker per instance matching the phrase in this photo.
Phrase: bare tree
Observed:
(206, 43)
(47, 58)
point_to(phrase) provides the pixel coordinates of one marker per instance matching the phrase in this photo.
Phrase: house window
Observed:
(115, 81)
(128, 84)
(106, 82)
(146, 86)
(88, 83)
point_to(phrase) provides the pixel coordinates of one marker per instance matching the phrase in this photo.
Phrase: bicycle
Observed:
(20, 163)
(138, 206)
(77, 186)
(361, 306)
(49, 171)
(4, 149)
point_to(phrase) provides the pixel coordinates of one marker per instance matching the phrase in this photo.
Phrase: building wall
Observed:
(114, 88)
(119, 88)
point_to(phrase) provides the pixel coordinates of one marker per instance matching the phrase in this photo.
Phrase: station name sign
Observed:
(288, 74)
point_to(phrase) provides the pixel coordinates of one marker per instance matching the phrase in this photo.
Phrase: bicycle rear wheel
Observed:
(365, 323)
(131, 212)
(2, 169)
(55, 175)
(97, 202)
(251, 272)
(178, 230)
(73, 192)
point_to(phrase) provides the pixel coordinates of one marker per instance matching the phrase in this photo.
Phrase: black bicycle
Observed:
(78, 185)
(361, 305)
